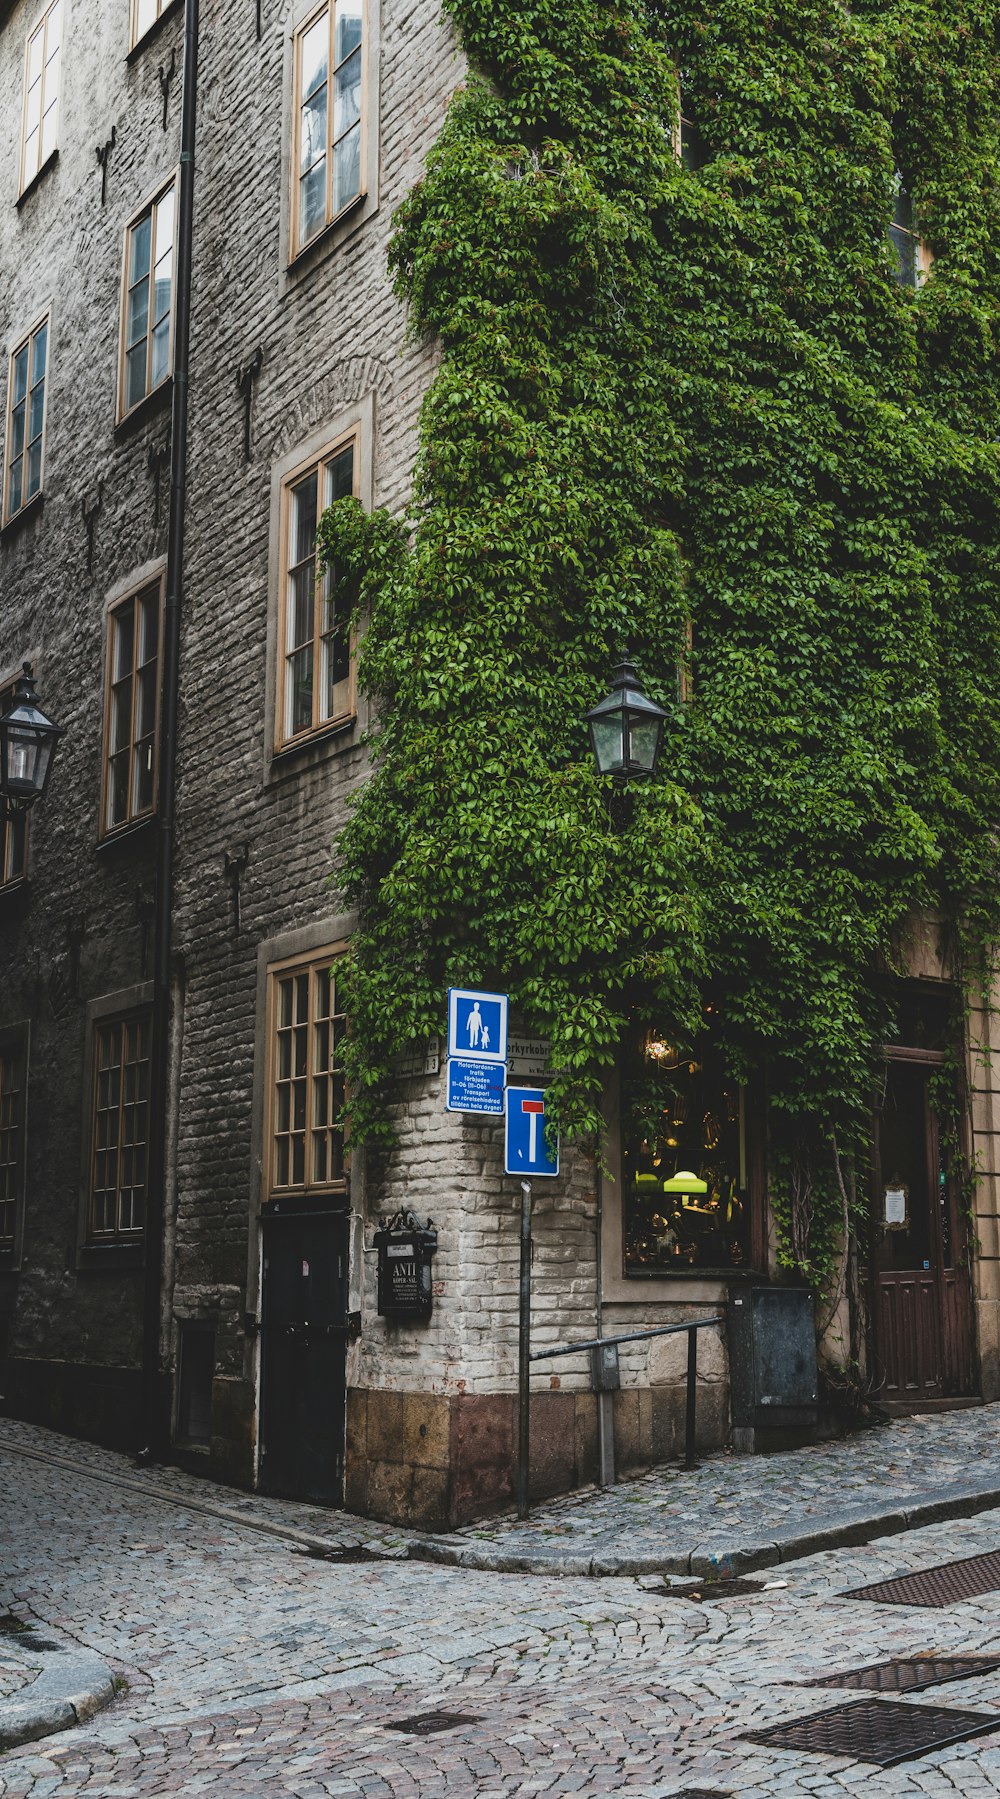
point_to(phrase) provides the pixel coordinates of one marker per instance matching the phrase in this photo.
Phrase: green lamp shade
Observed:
(685, 1182)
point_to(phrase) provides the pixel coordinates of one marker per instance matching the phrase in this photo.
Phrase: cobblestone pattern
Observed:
(255, 1672)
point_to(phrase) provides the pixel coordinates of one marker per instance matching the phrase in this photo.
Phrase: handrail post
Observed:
(524, 1354)
(692, 1383)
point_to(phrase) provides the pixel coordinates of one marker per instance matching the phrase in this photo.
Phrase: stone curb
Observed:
(934, 1507)
(73, 1684)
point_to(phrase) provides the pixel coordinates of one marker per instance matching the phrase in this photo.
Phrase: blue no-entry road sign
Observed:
(525, 1149)
(477, 1025)
(475, 1086)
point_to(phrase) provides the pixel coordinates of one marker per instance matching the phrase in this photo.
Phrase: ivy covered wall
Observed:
(671, 395)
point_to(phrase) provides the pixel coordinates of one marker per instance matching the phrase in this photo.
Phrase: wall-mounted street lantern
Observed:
(626, 728)
(27, 745)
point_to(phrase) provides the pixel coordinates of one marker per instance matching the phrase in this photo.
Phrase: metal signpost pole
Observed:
(524, 1357)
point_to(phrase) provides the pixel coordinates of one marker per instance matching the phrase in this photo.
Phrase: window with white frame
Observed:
(40, 112)
(328, 117)
(147, 301)
(25, 435)
(305, 1148)
(129, 789)
(143, 15)
(316, 668)
(120, 1124)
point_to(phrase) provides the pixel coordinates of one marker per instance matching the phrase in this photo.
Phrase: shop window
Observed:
(306, 1084)
(316, 678)
(327, 168)
(685, 1170)
(194, 1386)
(40, 111)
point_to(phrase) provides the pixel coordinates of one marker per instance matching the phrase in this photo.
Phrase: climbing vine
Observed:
(667, 397)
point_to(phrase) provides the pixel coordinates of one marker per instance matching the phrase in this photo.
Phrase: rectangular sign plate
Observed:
(475, 1086)
(477, 1025)
(525, 1149)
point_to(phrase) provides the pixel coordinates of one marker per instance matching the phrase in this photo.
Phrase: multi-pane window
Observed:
(316, 672)
(328, 121)
(26, 420)
(306, 1149)
(12, 1085)
(148, 301)
(132, 691)
(41, 94)
(144, 14)
(121, 1127)
(911, 256)
(13, 830)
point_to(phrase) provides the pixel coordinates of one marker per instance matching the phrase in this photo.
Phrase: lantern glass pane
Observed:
(644, 737)
(21, 758)
(606, 735)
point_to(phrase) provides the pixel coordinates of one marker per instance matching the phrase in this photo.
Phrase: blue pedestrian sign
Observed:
(525, 1149)
(475, 1086)
(477, 1025)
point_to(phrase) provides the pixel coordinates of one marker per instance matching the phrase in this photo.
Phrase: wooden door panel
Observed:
(908, 1336)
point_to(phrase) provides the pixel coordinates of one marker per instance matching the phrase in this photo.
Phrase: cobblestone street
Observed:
(252, 1669)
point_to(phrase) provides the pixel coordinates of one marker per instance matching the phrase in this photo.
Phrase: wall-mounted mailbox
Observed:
(405, 1252)
(605, 1375)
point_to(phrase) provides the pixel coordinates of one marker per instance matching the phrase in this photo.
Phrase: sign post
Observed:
(524, 1354)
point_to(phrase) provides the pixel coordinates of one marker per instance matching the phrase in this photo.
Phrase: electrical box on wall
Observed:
(772, 1361)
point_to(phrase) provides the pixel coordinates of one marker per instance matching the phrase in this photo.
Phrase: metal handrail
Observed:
(661, 1330)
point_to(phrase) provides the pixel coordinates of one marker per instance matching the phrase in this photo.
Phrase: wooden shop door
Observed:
(920, 1260)
(304, 1334)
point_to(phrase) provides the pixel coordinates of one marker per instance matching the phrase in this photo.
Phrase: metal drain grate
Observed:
(910, 1674)
(882, 1731)
(947, 1585)
(424, 1724)
(703, 1592)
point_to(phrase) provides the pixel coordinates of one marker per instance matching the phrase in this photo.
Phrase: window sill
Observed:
(311, 752)
(313, 249)
(285, 1205)
(663, 1275)
(126, 837)
(38, 176)
(153, 31)
(104, 1258)
(29, 510)
(149, 407)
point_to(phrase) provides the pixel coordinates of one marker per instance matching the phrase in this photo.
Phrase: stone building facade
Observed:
(301, 370)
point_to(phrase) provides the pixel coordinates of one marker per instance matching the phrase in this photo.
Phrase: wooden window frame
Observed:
(923, 257)
(7, 515)
(137, 37)
(149, 206)
(679, 140)
(321, 961)
(285, 741)
(13, 831)
(134, 595)
(299, 245)
(13, 1047)
(119, 1022)
(24, 180)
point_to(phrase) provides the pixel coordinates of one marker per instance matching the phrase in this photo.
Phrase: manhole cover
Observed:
(909, 1674)
(947, 1585)
(424, 1724)
(883, 1731)
(352, 1552)
(704, 1591)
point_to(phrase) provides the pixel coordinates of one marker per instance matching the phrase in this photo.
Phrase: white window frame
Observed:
(27, 176)
(150, 206)
(298, 244)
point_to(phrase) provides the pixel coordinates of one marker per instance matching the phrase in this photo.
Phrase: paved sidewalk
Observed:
(733, 1514)
(46, 1685)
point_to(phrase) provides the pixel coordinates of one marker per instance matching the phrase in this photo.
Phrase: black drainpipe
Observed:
(155, 1424)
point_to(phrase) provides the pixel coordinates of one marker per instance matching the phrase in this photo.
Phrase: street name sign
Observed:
(525, 1149)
